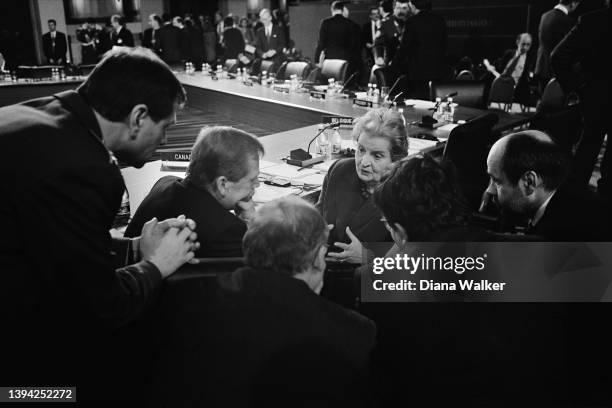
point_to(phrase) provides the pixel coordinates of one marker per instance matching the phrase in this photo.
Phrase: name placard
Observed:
(317, 95)
(283, 89)
(344, 121)
(184, 156)
(363, 102)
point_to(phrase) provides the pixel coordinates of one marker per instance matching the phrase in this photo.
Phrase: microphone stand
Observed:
(301, 158)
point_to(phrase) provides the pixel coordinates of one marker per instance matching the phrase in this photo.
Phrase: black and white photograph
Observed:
(305, 203)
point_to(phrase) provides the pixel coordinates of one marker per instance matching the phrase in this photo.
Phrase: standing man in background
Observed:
(336, 35)
(391, 29)
(150, 38)
(54, 45)
(270, 40)
(586, 47)
(120, 36)
(89, 37)
(421, 55)
(170, 42)
(554, 25)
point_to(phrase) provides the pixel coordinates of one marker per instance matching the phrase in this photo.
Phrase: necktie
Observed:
(511, 66)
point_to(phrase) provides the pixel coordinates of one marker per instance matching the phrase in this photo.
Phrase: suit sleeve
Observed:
(403, 49)
(282, 41)
(46, 46)
(322, 42)
(567, 53)
(67, 208)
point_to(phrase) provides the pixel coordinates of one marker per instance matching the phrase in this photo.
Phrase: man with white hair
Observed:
(269, 39)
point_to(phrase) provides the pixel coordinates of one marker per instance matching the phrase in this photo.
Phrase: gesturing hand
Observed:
(352, 252)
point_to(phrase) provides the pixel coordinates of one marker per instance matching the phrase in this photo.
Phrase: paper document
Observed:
(265, 193)
(287, 171)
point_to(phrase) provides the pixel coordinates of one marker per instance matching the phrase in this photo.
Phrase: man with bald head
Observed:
(528, 172)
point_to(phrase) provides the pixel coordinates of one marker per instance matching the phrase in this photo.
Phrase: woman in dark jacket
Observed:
(346, 197)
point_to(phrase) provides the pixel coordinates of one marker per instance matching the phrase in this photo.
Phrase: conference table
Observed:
(293, 117)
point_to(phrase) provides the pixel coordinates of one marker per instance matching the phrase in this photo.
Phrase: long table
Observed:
(263, 107)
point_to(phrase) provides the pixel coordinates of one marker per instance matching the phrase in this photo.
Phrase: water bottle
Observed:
(336, 142)
(437, 115)
(401, 112)
(331, 86)
(450, 111)
(323, 145)
(369, 93)
(375, 95)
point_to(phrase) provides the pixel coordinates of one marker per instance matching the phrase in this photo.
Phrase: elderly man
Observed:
(222, 176)
(263, 334)
(270, 39)
(517, 64)
(120, 36)
(59, 261)
(527, 171)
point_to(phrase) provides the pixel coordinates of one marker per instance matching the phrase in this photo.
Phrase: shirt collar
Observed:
(562, 8)
(540, 213)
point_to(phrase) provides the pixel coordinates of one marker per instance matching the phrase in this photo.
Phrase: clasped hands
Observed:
(351, 252)
(168, 244)
(268, 54)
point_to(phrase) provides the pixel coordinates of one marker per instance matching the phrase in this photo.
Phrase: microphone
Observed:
(347, 81)
(395, 84)
(302, 158)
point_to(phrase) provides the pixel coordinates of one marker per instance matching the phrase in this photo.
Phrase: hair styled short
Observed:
(221, 151)
(51, 20)
(337, 5)
(127, 77)
(284, 236)
(422, 195)
(386, 124)
(116, 17)
(528, 151)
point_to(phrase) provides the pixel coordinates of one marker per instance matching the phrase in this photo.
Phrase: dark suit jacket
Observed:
(586, 44)
(147, 40)
(422, 51)
(342, 204)
(336, 38)
(276, 42)
(258, 334)
(554, 25)
(67, 197)
(219, 231)
(522, 92)
(170, 43)
(574, 216)
(366, 33)
(123, 39)
(60, 46)
(233, 42)
(385, 45)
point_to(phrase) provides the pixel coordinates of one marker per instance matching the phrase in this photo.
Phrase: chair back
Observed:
(298, 68)
(231, 65)
(467, 148)
(334, 68)
(553, 97)
(502, 92)
(465, 75)
(469, 93)
(206, 268)
(266, 65)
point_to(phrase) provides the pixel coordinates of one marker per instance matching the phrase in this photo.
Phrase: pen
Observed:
(302, 168)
